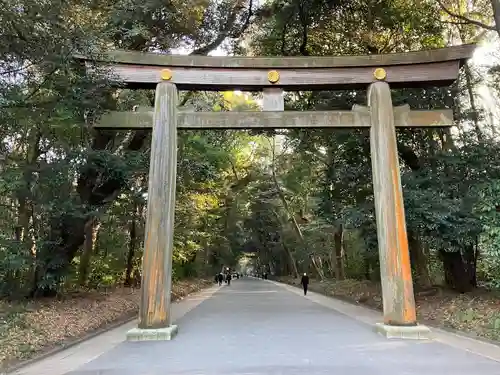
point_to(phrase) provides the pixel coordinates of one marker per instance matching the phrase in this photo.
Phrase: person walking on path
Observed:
(305, 282)
(220, 277)
(228, 279)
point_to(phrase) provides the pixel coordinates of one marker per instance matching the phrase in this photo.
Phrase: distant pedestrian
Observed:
(228, 279)
(220, 278)
(305, 282)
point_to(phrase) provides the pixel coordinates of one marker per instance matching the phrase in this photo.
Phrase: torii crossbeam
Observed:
(273, 75)
(359, 117)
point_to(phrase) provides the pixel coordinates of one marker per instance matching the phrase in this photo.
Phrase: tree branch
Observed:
(463, 18)
(303, 15)
(226, 31)
(409, 157)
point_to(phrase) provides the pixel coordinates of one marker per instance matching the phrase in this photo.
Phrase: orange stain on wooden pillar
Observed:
(395, 268)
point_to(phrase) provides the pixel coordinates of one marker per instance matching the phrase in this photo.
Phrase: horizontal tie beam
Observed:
(359, 117)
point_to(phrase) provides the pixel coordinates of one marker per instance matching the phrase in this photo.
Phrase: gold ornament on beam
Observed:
(166, 74)
(380, 74)
(273, 76)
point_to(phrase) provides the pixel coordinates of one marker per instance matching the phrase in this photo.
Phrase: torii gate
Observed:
(272, 75)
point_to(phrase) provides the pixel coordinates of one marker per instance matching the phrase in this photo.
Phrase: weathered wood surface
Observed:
(462, 52)
(216, 79)
(158, 243)
(397, 286)
(404, 117)
(357, 118)
(430, 68)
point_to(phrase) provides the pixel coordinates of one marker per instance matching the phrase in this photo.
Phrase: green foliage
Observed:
(449, 179)
(73, 201)
(488, 211)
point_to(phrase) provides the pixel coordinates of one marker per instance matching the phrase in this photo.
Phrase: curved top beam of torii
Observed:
(438, 67)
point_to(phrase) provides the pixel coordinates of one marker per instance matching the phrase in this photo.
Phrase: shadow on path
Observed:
(254, 327)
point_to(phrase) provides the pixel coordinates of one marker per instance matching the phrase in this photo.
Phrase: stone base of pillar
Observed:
(159, 334)
(418, 332)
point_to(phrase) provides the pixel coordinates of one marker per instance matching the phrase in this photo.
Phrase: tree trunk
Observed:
(338, 239)
(495, 4)
(23, 219)
(131, 250)
(291, 261)
(91, 230)
(367, 270)
(470, 261)
(12, 286)
(291, 258)
(25, 207)
(419, 261)
(456, 275)
(475, 112)
(330, 266)
(318, 270)
(291, 216)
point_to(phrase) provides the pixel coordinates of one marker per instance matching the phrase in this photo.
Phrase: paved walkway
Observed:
(256, 327)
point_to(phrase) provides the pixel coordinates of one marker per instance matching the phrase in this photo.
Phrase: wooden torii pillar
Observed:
(169, 73)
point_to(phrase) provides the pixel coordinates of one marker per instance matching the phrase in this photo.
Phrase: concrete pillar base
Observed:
(159, 334)
(418, 332)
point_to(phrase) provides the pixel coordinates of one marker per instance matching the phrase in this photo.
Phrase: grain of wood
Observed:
(252, 79)
(158, 249)
(358, 118)
(415, 57)
(395, 270)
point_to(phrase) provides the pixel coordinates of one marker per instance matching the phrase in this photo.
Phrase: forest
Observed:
(73, 199)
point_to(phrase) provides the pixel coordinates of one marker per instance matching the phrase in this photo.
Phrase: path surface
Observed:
(72, 358)
(256, 327)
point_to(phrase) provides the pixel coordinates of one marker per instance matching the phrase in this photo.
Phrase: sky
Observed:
(484, 54)
(485, 57)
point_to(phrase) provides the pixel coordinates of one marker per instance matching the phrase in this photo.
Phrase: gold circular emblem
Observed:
(166, 74)
(273, 76)
(380, 74)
